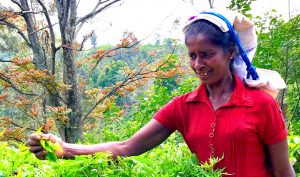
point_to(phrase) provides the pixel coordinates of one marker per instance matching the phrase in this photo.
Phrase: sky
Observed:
(153, 19)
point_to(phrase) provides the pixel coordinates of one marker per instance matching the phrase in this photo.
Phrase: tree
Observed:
(279, 49)
(242, 6)
(39, 89)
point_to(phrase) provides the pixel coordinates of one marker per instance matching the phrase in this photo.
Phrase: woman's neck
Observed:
(220, 93)
(222, 89)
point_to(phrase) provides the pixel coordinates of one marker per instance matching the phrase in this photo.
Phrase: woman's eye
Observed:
(192, 56)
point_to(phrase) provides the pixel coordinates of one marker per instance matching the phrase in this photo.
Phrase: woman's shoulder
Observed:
(191, 96)
(261, 97)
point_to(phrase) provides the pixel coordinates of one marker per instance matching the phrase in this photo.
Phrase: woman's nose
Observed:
(199, 63)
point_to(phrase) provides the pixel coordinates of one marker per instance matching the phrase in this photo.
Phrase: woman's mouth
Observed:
(202, 73)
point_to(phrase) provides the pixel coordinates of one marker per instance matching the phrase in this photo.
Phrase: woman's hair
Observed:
(212, 32)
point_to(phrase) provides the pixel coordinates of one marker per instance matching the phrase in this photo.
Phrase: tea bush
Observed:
(167, 160)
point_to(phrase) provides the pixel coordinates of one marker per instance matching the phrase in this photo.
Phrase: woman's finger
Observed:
(41, 155)
(33, 142)
(35, 149)
(35, 137)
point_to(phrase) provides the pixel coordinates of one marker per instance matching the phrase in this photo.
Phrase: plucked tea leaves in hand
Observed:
(49, 146)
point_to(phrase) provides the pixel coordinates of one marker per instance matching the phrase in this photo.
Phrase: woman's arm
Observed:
(151, 135)
(279, 157)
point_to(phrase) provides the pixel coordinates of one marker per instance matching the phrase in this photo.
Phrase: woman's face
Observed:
(209, 62)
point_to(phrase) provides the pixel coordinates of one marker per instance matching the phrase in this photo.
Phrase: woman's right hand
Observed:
(36, 148)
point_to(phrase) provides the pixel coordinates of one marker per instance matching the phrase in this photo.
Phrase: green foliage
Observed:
(169, 159)
(9, 41)
(294, 152)
(18, 160)
(242, 6)
(109, 73)
(279, 49)
(293, 101)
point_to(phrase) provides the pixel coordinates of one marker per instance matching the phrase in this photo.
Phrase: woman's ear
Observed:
(232, 52)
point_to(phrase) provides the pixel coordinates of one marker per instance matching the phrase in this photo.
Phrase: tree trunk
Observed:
(282, 105)
(39, 58)
(72, 131)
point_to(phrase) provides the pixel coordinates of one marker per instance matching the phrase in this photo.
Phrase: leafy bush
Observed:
(18, 161)
(294, 152)
(169, 159)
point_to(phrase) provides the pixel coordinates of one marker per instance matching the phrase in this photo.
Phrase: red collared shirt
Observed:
(238, 130)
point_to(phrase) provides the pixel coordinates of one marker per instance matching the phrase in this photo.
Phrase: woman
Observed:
(221, 118)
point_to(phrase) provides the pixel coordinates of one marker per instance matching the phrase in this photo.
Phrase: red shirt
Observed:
(238, 130)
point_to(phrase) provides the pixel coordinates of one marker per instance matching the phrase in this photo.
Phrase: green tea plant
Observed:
(167, 160)
(16, 160)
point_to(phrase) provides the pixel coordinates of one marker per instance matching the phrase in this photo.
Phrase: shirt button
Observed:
(211, 135)
(213, 125)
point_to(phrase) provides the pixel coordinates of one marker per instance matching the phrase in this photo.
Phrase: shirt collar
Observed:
(240, 95)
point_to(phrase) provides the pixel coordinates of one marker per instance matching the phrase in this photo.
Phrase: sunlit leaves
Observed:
(49, 125)
(16, 134)
(35, 110)
(60, 113)
(242, 6)
(128, 40)
(4, 96)
(21, 61)
(8, 14)
(5, 121)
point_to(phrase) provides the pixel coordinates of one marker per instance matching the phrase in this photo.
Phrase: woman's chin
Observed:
(203, 77)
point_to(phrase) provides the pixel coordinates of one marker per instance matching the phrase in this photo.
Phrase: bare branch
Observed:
(85, 38)
(296, 107)
(6, 61)
(18, 4)
(28, 11)
(116, 48)
(81, 24)
(19, 126)
(13, 86)
(77, 4)
(10, 25)
(53, 92)
(95, 12)
(43, 29)
(106, 96)
(292, 62)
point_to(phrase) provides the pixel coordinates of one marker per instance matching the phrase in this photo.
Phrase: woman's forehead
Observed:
(201, 43)
(198, 39)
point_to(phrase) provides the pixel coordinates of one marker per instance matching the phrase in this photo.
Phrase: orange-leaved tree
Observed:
(43, 86)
